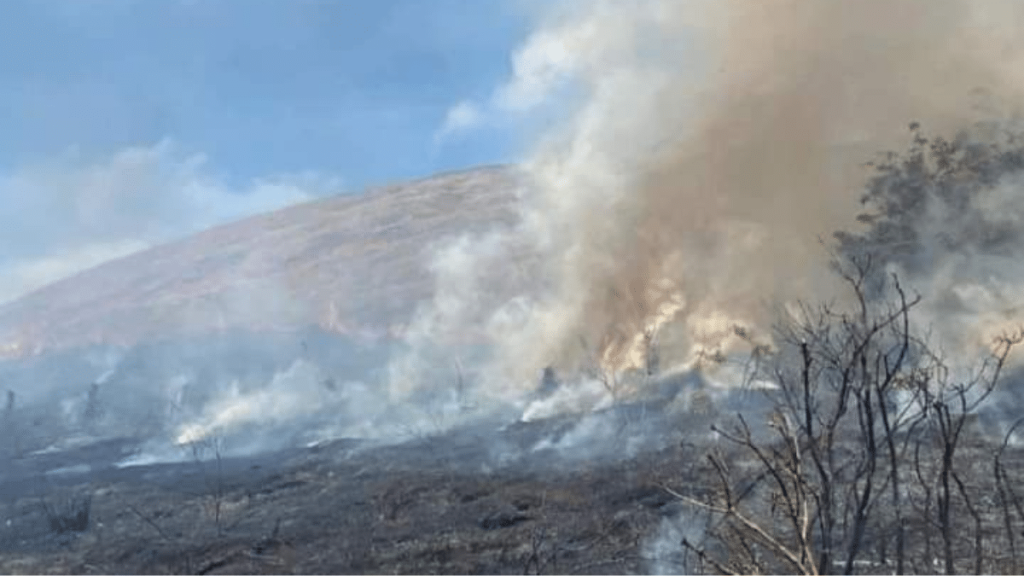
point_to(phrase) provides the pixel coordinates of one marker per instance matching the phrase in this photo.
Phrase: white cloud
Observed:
(72, 213)
(462, 116)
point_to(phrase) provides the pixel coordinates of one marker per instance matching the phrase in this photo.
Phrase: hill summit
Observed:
(355, 264)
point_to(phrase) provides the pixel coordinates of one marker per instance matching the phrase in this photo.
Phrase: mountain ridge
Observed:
(346, 262)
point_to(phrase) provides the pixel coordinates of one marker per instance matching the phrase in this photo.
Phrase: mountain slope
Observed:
(346, 263)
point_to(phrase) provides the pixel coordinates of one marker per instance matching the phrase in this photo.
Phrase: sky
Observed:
(126, 123)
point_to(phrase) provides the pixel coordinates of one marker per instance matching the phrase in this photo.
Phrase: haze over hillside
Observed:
(690, 276)
(353, 264)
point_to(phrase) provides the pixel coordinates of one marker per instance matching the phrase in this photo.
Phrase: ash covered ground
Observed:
(113, 488)
(94, 483)
(698, 334)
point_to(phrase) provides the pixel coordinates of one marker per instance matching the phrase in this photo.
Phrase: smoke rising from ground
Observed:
(707, 148)
(714, 144)
(710, 149)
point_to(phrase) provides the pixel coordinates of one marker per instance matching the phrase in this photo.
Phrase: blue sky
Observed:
(351, 87)
(126, 123)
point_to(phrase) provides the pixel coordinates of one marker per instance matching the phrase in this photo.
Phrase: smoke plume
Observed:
(710, 147)
(707, 151)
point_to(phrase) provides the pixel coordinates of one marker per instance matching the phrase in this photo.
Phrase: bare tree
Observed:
(215, 488)
(593, 368)
(950, 404)
(1009, 500)
(93, 410)
(855, 392)
(9, 425)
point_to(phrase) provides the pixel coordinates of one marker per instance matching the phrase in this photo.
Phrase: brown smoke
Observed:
(713, 188)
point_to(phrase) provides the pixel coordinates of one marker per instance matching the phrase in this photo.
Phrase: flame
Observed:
(618, 356)
(13, 350)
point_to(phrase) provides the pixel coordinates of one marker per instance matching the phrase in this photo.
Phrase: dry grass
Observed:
(276, 271)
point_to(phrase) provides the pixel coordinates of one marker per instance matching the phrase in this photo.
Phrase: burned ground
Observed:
(441, 504)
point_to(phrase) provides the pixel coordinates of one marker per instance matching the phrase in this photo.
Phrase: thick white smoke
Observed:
(972, 277)
(706, 149)
(709, 146)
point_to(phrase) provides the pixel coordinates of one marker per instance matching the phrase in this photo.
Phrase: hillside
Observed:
(347, 263)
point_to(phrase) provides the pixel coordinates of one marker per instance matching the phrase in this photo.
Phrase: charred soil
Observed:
(430, 505)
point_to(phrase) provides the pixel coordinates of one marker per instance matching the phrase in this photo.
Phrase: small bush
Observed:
(72, 516)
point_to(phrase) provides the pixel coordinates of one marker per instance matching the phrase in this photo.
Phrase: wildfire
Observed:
(633, 353)
(12, 350)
